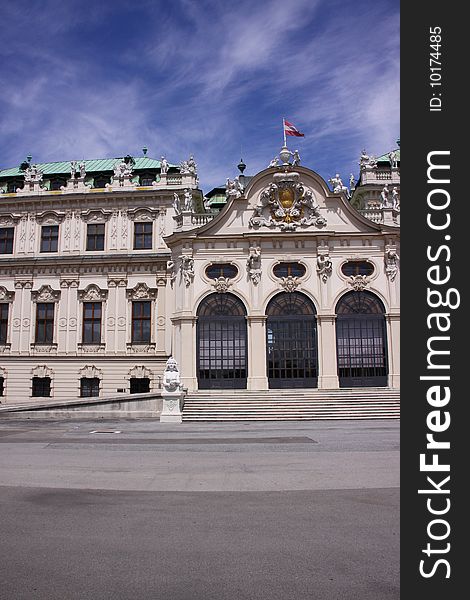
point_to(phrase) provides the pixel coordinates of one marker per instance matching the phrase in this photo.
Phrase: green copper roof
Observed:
(99, 164)
(384, 157)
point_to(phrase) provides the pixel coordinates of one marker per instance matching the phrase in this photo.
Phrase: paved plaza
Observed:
(147, 511)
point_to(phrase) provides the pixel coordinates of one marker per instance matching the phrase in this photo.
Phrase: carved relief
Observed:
(32, 232)
(358, 282)
(324, 266)
(187, 269)
(222, 284)
(50, 217)
(5, 295)
(22, 233)
(95, 216)
(42, 371)
(140, 372)
(290, 283)
(253, 264)
(124, 228)
(286, 204)
(92, 293)
(45, 294)
(391, 262)
(91, 372)
(141, 292)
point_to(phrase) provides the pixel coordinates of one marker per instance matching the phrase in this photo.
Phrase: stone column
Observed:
(21, 317)
(327, 359)
(257, 376)
(393, 348)
(185, 348)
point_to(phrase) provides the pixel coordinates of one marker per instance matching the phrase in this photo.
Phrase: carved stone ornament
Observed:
(92, 293)
(45, 294)
(141, 292)
(289, 284)
(42, 371)
(253, 264)
(233, 189)
(222, 284)
(5, 295)
(358, 282)
(139, 372)
(187, 269)
(170, 268)
(391, 263)
(8, 220)
(95, 216)
(324, 267)
(286, 204)
(90, 371)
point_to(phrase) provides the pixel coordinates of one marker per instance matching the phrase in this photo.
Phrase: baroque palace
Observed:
(277, 280)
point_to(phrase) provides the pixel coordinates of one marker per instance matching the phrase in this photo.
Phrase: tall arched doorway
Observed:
(361, 340)
(221, 338)
(291, 344)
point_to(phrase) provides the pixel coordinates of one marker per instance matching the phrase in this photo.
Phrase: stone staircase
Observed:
(292, 405)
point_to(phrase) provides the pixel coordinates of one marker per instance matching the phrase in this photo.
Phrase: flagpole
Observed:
(284, 130)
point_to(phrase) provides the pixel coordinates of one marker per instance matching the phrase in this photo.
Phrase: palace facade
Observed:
(109, 267)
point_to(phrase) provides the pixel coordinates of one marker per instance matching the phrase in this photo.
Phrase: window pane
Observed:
(6, 240)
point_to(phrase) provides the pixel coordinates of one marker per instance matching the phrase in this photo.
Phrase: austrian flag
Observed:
(290, 129)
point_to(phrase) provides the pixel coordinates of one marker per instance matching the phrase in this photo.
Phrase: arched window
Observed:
(361, 340)
(221, 336)
(291, 340)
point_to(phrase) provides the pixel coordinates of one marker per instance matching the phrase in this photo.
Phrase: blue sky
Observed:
(206, 77)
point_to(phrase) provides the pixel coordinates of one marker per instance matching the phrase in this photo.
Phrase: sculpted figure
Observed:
(171, 376)
(384, 196)
(163, 165)
(395, 199)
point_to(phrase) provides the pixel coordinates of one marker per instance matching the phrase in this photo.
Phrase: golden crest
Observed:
(286, 197)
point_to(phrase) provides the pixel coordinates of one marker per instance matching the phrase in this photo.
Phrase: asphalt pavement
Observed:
(147, 511)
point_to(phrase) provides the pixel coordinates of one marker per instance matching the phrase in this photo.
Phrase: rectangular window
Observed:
(143, 236)
(3, 323)
(89, 386)
(91, 323)
(49, 238)
(95, 237)
(141, 321)
(2, 386)
(6, 240)
(41, 387)
(139, 385)
(44, 322)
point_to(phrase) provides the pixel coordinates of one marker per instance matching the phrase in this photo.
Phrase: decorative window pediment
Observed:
(92, 293)
(42, 371)
(8, 220)
(139, 372)
(141, 292)
(142, 214)
(5, 295)
(50, 217)
(96, 216)
(90, 371)
(45, 294)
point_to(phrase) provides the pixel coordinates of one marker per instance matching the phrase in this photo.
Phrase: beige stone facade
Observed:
(104, 317)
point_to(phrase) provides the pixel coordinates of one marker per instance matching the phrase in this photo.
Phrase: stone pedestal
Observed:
(172, 404)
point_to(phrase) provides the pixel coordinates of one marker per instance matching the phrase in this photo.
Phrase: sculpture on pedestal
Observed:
(171, 376)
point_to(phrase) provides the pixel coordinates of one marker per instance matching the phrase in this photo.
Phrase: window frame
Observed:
(36, 380)
(46, 320)
(94, 386)
(7, 240)
(93, 321)
(141, 319)
(50, 239)
(95, 236)
(144, 235)
(4, 320)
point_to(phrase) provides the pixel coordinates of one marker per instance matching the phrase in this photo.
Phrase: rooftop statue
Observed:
(233, 188)
(163, 166)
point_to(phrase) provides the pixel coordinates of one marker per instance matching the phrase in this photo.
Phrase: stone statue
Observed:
(163, 166)
(392, 157)
(384, 196)
(352, 182)
(176, 203)
(366, 160)
(324, 266)
(187, 269)
(82, 168)
(188, 200)
(337, 184)
(295, 158)
(191, 164)
(395, 199)
(233, 188)
(253, 264)
(73, 169)
(274, 162)
(391, 263)
(171, 376)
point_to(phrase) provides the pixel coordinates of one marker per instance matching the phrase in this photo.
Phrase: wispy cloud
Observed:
(205, 78)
